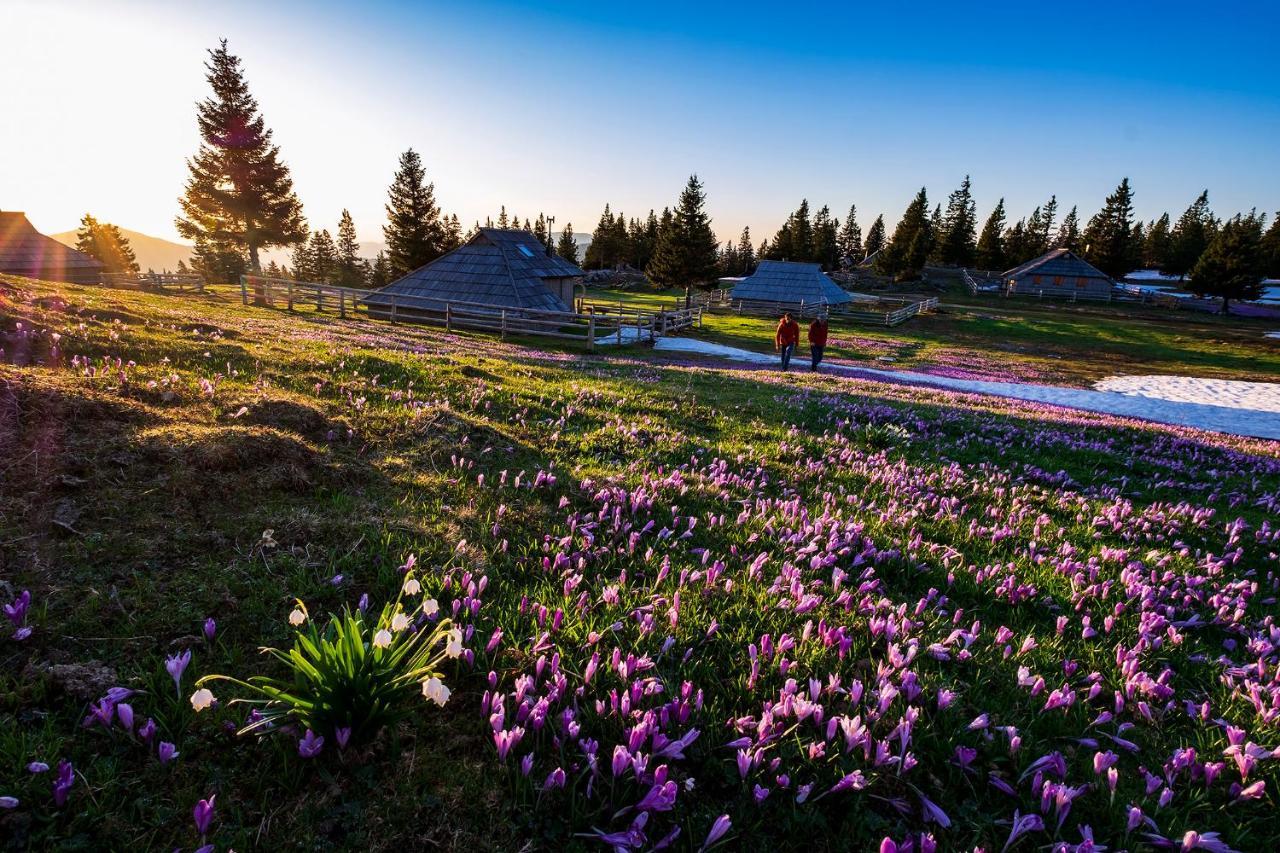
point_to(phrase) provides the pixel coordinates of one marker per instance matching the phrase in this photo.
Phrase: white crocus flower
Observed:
(453, 647)
(399, 622)
(435, 691)
(202, 699)
(431, 607)
(297, 617)
(382, 639)
(412, 587)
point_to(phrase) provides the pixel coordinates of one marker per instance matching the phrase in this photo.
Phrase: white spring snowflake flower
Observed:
(382, 639)
(202, 699)
(399, 622)
(412, 587)
(435, 691)
(431, 607)
(453, 647)
(297, 617)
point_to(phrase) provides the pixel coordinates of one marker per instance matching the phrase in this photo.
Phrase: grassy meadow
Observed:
(703, 606)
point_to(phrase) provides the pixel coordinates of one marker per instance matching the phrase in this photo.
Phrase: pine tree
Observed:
(851, 237)
(567, 248)
(727, 259)
(503, 220)
(239, 197)
(303, 267)
(1044, 234)
(540, 231)
(380, 272)
(348, 268)
(1031, 235)
(1156, 245)
(1108, 239)
(182, 267)
(957, 243)
(1271, 249)
(875, 236)
(826, 240)
(601, 253)
(1190, 237)
(414, 233)
(1233, 265)
(905, 256)
(746, 254)
(1016, 246)
(989, 254)
(272, 270)
(104, 241)
(1069, 232)
(324, 257)
(686, 251)
(794, 241)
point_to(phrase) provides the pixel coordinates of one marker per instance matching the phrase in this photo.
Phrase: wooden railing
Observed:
(155, 281)
(270, 291)
(881, 315)
(663, 321)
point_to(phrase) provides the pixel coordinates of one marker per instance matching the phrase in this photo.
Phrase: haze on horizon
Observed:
(562, 109)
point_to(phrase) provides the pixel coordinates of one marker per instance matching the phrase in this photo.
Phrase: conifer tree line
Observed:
(239, 200)
(103, 241)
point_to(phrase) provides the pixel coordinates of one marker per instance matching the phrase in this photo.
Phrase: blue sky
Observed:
(563, 107)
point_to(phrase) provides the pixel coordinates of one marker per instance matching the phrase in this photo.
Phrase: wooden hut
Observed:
(501, 267)
(25, 251)
(789, 285)
(1060, 274)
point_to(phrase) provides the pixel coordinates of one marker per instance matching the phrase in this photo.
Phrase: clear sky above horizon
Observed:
(563, 107)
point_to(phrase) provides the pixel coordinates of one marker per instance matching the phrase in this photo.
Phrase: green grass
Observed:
(136, 500)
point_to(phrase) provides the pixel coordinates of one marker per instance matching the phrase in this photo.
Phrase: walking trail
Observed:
(1218, 405)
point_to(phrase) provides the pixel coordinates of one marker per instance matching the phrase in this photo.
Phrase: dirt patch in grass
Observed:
(286, 416)
(273, 459)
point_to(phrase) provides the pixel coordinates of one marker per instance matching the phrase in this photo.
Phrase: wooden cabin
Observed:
(505, 268)
(1059, 274)
(25, 251)
(790, 285)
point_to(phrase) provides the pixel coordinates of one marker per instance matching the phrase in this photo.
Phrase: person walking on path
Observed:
(817, 340)
(786, 338)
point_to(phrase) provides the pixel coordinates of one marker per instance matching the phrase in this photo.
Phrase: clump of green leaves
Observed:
(356, 674)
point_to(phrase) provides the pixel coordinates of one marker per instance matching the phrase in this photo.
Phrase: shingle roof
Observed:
(497, 266)
(790, 282)
(1061, 262)
(25, 251)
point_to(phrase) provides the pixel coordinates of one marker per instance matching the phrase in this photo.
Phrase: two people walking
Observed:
(787, 338)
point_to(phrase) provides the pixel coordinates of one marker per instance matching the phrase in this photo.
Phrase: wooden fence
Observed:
(664, 321)
(271, 291)
(880, 315)
(180, 282)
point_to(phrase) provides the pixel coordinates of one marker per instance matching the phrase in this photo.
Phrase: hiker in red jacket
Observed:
(817, 340)
(786, 338)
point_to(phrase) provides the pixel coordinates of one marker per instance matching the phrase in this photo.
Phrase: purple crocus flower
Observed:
(1022, 824)
(62, 784)
(166, 752)
(202, 814)
(310, 745)
(147, 730)
(17, 611)
(124, 712)
(661, 798)
(176, 665)
(8, 802)
(37, 767)
(342, 734)
(719, 827)
(210, 629)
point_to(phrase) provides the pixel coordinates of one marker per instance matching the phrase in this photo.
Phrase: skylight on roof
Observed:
(525, 250)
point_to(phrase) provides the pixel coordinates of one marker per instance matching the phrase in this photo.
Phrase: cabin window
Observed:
(1037, 279)
(526, 251)
(1057, 281)
(1082, 282)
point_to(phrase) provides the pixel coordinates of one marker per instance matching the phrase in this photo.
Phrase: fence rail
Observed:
(880, 317)
(155, 281)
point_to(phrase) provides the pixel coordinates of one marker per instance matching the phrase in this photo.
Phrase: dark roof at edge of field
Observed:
(25, 251)
(1061, 262)
(789, 281)
(497, 266)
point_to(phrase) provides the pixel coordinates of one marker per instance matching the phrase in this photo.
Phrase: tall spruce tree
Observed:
(380, 271)
(303, 268)
(851, 237)
(989, 253)
(1069, 232)
(1158, 242)
(324, 257)
(602, 253)
(747, 254)
(1108, 239)
(1190, 237)
(686, 252)
(1232, 267)
(826, 239)
(875, 236)
(348, 266)
(239, 197)
(1271, 248)
(1017, 249)
(104, 241)
(452, 237)
(957, 243)
(904, 258)
(567, 248)
(413, 233)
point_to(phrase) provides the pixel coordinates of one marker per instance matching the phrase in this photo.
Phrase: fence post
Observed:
(244, 290)
(448, 317)
(342, 304)
(289, 295)
(319, 298)
(591, 331)
(662, 319)
(503, 334)
(393, 310)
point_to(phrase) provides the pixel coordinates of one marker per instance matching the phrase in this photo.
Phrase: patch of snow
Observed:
(1273, 334)
(1150, 275)
(1214, 405)
(1253, 396)
(630, 334)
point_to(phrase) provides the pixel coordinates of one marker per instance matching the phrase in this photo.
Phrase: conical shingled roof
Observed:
(497, 266)
(25, 251)
(1057, 262)
(790, 282)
